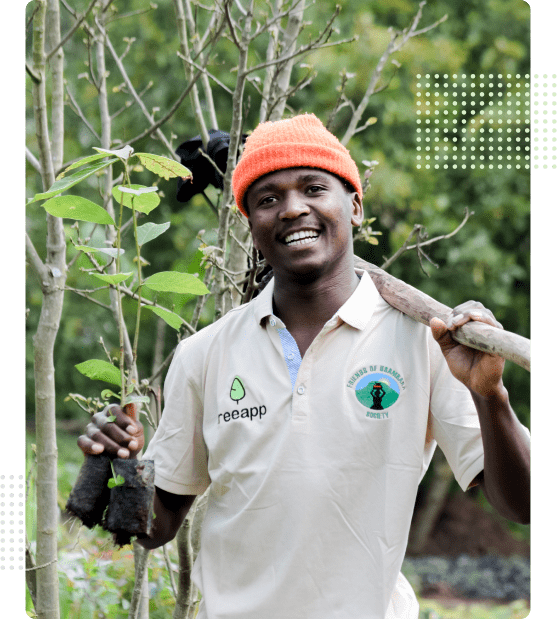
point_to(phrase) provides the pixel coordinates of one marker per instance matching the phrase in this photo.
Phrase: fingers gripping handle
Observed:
(423, 308)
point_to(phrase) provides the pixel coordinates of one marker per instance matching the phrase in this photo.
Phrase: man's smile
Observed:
(301, 237)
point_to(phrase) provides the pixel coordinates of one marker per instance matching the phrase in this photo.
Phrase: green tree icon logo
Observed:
(237, 391)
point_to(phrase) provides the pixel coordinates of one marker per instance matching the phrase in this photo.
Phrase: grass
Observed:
(435, 609)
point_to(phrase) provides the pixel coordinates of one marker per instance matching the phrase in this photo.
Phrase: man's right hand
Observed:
(121, 438)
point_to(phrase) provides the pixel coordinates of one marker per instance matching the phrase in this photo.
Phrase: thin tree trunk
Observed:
(52, 276)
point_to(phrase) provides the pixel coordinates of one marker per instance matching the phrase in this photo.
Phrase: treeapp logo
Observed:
(237, 391)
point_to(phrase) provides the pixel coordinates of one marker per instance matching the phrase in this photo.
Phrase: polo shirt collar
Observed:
(356, 312)
(358, 309)
(263, 303)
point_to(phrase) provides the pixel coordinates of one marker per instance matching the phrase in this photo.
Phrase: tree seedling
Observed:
(121, 503)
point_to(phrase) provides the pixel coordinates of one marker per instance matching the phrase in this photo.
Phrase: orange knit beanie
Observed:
(299, 142)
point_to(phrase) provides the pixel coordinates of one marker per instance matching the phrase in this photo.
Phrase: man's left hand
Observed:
(481, 372)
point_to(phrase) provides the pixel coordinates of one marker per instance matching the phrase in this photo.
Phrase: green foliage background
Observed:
(487, 261)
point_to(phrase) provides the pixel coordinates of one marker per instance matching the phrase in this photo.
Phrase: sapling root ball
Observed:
(130, 509)
(90, 494)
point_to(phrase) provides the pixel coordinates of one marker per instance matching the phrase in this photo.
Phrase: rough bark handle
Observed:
(422, 307)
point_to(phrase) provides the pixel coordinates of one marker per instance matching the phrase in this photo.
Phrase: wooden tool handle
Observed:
(422, 307)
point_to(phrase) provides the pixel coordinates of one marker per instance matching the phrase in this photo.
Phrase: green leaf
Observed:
(173, 281)
(119, 481)
(108, 393)
(167, 168)
(112, 279)
(75, 207)
(169, 317)
(69, 181)
(144, 203)
(109, 251)
(78, 164)
(237, 391)
(98, 369)
(149, 231)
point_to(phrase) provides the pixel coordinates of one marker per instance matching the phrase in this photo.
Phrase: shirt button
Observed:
(273, 322)
(301, 389)
(290, 356)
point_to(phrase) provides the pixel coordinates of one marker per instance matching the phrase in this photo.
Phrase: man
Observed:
(312, 485)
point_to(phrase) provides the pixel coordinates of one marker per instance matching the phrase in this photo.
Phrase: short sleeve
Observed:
(177, 447)
(454, 419)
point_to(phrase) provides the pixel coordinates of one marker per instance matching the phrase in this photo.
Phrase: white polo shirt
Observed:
(313, 463)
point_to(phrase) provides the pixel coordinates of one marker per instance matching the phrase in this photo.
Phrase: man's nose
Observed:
(293, 205)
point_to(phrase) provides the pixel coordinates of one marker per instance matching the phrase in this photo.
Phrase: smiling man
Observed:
(312, 412)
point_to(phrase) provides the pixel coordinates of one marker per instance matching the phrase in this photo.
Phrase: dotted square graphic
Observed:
(544, 120)
(473, 121)
(12, 551)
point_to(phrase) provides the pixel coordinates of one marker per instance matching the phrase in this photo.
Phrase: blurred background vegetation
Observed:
(488, 260)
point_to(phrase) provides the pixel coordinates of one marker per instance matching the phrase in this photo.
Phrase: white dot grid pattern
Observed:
(473, 121)
(12, 522)
(544, 120)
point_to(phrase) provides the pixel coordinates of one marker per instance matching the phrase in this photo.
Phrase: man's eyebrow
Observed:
(305, 178)
(308, 178)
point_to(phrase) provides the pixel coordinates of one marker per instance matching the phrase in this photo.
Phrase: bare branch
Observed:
(398, 40)
(204, 71)
(33, 160)
(197, 48)
(79, 20)
(232, 26)
(132, 90)
(279, 85)
(185, 54)
(129, 103)
(40, 567)
(34, 259)
(401, 249)
(118, 16)
(74, 106)
(316, 44)
(416, 231)
(428, 28)
(170, 113)
(219, 288)
(75, 15)
(467, 215)
(34, 76)
(30, 20)
(272, 47)
(85, 295)
(240, 7)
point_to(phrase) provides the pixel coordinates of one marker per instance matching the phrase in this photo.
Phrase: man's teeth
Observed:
(301, 238)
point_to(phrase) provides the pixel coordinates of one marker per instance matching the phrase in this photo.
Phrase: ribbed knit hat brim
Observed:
(299, 142)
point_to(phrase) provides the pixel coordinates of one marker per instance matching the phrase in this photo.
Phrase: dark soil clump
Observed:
(130, 510)
(90, 494)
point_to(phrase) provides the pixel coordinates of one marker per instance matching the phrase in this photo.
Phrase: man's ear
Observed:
(357, 210)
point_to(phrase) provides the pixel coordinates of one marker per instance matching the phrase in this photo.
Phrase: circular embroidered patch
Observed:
(377, 391)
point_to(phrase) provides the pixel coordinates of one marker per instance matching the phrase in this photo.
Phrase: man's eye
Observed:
(314, 189)
(266, 200)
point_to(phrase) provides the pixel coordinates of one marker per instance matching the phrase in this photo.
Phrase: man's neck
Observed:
(305, 306)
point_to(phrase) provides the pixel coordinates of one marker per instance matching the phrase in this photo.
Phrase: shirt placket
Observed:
(301, 397)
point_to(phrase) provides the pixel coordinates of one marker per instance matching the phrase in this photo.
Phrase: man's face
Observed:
(301, 220)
